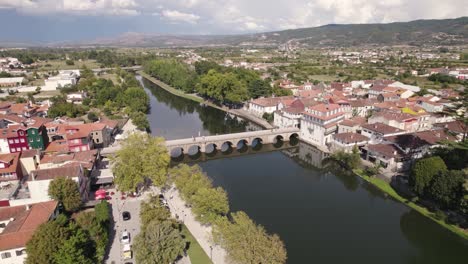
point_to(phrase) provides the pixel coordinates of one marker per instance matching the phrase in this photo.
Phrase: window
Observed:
(33, 132)
(20, 252)
(31, 140)
(6, 255)
(22, 140)
(21, 133)
(16, 141)
(11, 141)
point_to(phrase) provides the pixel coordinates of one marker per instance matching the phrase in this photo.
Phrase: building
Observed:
(39, 181)
(399, 120)
(386, 155)
(319, 122)
(10, 168)
(376, 132)
(76, 98)
(63, 79)
(17, 226)
(11, 81)
(16, 137)
(291, 116)
(37, 133)
(29, 160)
(269, 105)
(351, 125)
(456, 128)
(347, 141)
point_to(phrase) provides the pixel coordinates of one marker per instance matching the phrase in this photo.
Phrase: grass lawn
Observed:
(323, 78)
(385, 187)
(195, 252)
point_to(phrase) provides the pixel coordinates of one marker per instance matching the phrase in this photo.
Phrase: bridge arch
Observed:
(278, 141)
(242, 145)
(226, 147)
(176, 152)
(211, 148)
(257, 143)
(193, 150)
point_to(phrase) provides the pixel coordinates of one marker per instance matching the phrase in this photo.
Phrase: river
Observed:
(322, 216)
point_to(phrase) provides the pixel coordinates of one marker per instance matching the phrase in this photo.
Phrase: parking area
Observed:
(132, 226)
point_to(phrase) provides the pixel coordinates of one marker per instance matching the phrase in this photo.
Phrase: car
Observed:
(126, 215)
(127, 252)
(125, 238)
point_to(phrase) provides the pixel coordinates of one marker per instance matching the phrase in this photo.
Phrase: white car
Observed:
(125, 238)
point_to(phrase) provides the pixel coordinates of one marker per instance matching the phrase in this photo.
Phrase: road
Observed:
(118, 205)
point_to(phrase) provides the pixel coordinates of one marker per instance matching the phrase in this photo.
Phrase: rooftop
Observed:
(382, 128)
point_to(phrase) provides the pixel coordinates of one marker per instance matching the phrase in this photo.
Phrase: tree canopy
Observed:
(65, 190)
(209, 204)
(423, 171)
(159, 242)
(141, 157)
(446, 188)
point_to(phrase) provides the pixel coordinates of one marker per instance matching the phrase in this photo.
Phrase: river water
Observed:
(322, 216)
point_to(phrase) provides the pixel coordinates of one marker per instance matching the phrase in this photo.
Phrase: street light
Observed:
(211, 252)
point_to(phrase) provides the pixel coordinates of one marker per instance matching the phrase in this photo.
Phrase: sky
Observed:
(69, 20)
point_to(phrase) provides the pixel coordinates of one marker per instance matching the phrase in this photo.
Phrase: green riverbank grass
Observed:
(386, 188)
(196, 253)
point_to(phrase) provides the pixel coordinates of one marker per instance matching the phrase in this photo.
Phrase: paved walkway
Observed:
(201, 233)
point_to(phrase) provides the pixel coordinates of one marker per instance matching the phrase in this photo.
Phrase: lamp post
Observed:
(211, 252)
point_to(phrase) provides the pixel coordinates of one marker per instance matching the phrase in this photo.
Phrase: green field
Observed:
(53, 65)
(195, 252)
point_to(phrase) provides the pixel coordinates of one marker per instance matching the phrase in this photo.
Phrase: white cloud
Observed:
(177, 16)
(253, 15)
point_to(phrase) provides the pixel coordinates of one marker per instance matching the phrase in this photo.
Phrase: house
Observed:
(319, 122)
(400, 120)
(347, 141)
(39, 181)
(10, 168)
(269, 105)
(63, 79)
(456, 128)
(78, 137)
(388, 97)
(37, 133)
(87, 159)
(386, 155)
(29, 160)
(361, 107)
(11, 81)
(16, 137)
(76, 98)
(351, 125)
(291, 116)
(17, 226)
(432, 107)
(378, 131)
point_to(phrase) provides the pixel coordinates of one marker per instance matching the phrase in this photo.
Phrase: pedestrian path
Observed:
(201, 233)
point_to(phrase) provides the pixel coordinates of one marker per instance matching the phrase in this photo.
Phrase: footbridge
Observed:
(220, 142)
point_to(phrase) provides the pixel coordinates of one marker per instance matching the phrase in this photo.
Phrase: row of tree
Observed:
(143, 158)
(220, 84)
(80, 239)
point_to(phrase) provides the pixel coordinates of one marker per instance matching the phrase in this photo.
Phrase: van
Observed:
(127, 251)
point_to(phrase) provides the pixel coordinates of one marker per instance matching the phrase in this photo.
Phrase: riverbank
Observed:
(237, 112)
(386, 188)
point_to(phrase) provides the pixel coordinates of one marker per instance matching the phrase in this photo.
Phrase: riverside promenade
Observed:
(202, 233)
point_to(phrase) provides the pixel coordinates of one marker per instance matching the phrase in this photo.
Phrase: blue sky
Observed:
(64, 20)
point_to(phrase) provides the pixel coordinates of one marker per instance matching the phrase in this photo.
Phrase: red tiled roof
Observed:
(50, 174)
(387, 150)
(349, 138)
(382, 128)
(19, 231)
(12, 158)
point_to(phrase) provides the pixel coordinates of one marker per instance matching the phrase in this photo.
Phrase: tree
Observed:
(247, 242)
(76, 248)
(153, 211)
(209, 204)
(97, 228)
(222, 87)
(423, 171)
(447, 188)
(70, 62)
(46, 240)
(140, 120)
(65, 190)
(141, 157)
(102, 212)
(92, 117)
(189, 179)
(160, 242)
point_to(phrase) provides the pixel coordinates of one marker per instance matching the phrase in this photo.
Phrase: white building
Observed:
(320, 122)
(18, 224)
(347, 141)
(269, 105)
(64, 78)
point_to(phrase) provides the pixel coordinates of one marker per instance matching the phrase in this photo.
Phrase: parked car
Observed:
(127, 251)
(126, 215)
(125, 238)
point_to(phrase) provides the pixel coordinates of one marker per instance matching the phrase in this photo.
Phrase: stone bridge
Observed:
(218, 142)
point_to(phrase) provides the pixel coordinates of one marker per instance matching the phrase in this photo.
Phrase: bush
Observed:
(92, 117)
(268, 117)
(70, 62)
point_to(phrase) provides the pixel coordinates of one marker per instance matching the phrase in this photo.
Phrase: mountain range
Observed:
(418, 32)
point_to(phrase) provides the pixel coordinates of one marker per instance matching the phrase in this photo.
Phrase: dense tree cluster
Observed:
(444, 78)
(127, 97)
(210, 80)
(350, 160)
(430, 178)
(64, 240)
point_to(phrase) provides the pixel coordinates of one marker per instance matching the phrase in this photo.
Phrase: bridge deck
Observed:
(227, 137)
